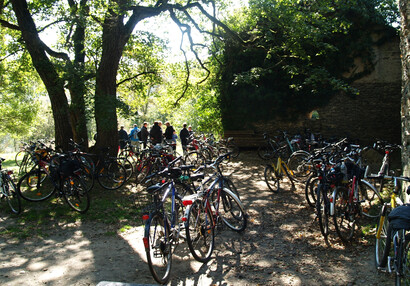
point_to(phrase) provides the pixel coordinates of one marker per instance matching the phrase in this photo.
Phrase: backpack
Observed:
(138, 134)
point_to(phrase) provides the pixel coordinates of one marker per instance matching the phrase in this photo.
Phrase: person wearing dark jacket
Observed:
(144, 134)
(184, 135)
(156, 134)
(123, 137)
(169, 133)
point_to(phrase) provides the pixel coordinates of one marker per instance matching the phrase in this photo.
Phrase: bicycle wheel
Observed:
(87, 171)
(142, 172)
(266, 152)
(383, 239)
(158, 247)
(129, 168)
(112, 176)
(19, 157)
(11, 194)
(232, 147)
(310, 190)
(403, 273)
(194, 158)
(300, 165)
(322, 210)
(207, 154)
(231, 210)
(272, 178)
(371, 201)
(183, 189)
(76, 194)
(200, 234)
(35, 186)
(343, 217)
(227, 183)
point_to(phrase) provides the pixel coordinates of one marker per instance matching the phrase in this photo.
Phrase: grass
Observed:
(120, 209)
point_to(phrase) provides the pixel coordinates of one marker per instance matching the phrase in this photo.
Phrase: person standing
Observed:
(184, 135)
(156, 134)
(144, 134)
(123, 137)
(135, 142)
(169, 133)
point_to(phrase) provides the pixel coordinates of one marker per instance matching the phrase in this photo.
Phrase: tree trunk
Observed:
(54, 84)
(404, 6)
(106, 85)
(77, 81)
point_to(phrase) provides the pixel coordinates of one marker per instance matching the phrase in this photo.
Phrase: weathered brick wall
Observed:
(374, 114)
(404, 6)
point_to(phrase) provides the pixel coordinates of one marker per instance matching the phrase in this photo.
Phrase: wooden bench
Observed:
(245, 138)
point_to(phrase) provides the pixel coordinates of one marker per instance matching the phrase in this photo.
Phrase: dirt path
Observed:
(281, 246)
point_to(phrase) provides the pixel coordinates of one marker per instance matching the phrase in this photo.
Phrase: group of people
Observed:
(155, 135)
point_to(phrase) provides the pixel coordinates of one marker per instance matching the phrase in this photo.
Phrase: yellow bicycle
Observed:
(273, 174)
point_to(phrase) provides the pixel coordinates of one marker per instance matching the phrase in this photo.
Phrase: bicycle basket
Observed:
(68, 167)
(399, 217)
(354, 170)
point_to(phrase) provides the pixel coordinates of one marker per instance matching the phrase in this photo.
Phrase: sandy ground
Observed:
(282, 245)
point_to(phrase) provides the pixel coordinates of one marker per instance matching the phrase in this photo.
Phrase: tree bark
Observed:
(404, 6)
(53, 83)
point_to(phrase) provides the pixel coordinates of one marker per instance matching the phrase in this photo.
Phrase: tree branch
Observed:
(135, 76)
(9, 25)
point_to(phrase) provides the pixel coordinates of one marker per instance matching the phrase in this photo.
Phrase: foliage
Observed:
(296, 56)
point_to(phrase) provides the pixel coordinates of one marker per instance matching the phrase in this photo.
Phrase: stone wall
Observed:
(404, 6)
(374, 114)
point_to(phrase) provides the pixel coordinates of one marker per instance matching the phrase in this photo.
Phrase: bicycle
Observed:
(274, 174)
(269, 150)
(163, 224)
(397, 258)
(9, 190)
(382, 237)
(61, 177)
(209, 208)
(352, 200)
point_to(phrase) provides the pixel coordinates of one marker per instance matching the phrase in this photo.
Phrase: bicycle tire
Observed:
(200, 235)
(403, 274)
(271, 178)
(129, 168)
(299, 164)
(266, 152)
(87, 171)
(142, 172)
(36, 186)
(11, 194)
(112, 176)
(158, 247)
(19, 157)
(322, 211)
(383, 243)
(194, 158)
(344, 220)
(232, 147)
(183, 189)
(76, 194)
(227, 183)
(371, 200)
(232, 211)
(310, 187)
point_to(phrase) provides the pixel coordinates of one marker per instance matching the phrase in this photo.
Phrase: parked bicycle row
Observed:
(341, 189)
(188, 206)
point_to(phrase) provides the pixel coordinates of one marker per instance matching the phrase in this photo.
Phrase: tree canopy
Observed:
(298, 54)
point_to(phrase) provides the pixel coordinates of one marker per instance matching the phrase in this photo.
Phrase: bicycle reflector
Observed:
(145, 217)
(187, 202)
(184, 219)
